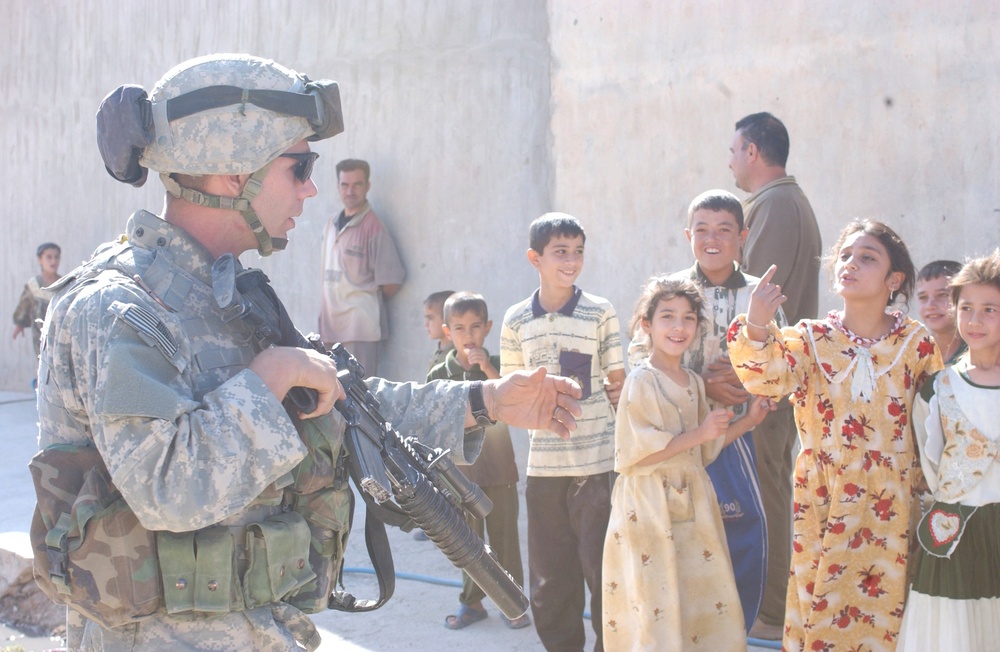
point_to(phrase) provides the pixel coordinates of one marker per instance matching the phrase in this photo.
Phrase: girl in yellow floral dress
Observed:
(852, 378)
(668, 580)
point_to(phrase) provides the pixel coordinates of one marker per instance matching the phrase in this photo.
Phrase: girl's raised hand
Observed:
(764, 303)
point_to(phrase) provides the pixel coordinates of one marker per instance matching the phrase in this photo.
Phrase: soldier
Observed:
(196, 534)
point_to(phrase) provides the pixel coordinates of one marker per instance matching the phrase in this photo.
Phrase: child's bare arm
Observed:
(758, 409)
(490, 371)
(479, 357)
(714, 426)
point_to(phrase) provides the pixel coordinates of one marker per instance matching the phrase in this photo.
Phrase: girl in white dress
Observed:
(954, 603)
(668, 580)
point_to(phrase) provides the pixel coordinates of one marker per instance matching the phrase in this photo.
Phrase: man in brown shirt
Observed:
(783, 228)
(783, 232)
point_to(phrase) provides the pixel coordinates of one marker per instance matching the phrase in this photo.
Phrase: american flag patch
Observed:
(148, 325)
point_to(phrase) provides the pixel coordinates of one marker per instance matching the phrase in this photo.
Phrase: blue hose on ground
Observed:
(429, 579)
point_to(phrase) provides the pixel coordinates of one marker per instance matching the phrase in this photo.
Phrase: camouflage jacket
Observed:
(136, 359)
(30, 309)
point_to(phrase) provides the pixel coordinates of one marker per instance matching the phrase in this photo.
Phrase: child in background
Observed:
(954, 603)
(716, 232)
(434, 323)
(568, 487)
(668, 580)
(467, 324)
(34, 299)
(936, 311)
(853, 378)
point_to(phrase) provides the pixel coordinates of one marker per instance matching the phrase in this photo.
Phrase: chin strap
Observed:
(265, 243)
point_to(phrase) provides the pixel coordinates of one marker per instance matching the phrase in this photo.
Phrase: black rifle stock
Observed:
(401, 475)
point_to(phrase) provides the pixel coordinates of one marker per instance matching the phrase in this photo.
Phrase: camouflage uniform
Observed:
(31, 308)
(147, 372)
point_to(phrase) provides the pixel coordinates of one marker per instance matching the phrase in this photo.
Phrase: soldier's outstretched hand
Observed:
(534, 400)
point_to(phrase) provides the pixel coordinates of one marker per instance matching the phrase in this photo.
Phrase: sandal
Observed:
(466, 616)
(520, 622)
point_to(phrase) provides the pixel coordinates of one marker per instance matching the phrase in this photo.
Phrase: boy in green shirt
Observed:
(466, 324)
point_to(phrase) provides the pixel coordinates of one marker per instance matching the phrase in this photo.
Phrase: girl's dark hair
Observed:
(659, 288)
(899, 255)
(980, 271)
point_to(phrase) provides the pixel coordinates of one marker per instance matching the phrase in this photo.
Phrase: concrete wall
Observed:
(448, 101)
(477, 117)
(891, 110)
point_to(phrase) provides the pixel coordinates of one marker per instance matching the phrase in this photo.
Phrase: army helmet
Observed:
(216, 114)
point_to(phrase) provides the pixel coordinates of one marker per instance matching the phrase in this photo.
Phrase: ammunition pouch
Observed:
(92, 554)
(321, 494)
(278, 551)
(90, 551)
(200, 573)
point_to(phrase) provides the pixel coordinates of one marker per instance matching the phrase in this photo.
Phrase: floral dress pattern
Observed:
(668, 580)
(854, 501)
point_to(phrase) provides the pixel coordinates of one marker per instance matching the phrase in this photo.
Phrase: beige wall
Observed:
(477, 117)
(891, 110)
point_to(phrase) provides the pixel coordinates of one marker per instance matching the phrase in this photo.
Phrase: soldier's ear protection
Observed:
(124, 129)
(127, 124)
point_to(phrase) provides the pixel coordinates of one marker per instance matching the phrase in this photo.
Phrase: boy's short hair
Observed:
(717, 200)
(939, 268)
(460, 303)
(45, 246)
(437, 299)
(350, 164)
(550, 225)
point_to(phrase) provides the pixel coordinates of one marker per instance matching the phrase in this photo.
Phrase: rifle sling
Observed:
(377, 543)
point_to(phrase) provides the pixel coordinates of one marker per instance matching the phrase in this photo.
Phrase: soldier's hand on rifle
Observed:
(284, 367)
(533, 400)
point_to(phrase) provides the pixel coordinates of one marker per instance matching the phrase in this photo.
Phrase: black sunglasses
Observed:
(304, 167)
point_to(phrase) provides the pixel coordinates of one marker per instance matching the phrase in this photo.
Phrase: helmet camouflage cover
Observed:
(217, 114)
(235, 139)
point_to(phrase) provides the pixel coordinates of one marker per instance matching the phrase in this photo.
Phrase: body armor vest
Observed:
(287, 545)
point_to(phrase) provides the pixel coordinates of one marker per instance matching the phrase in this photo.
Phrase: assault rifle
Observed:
(402, 481)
